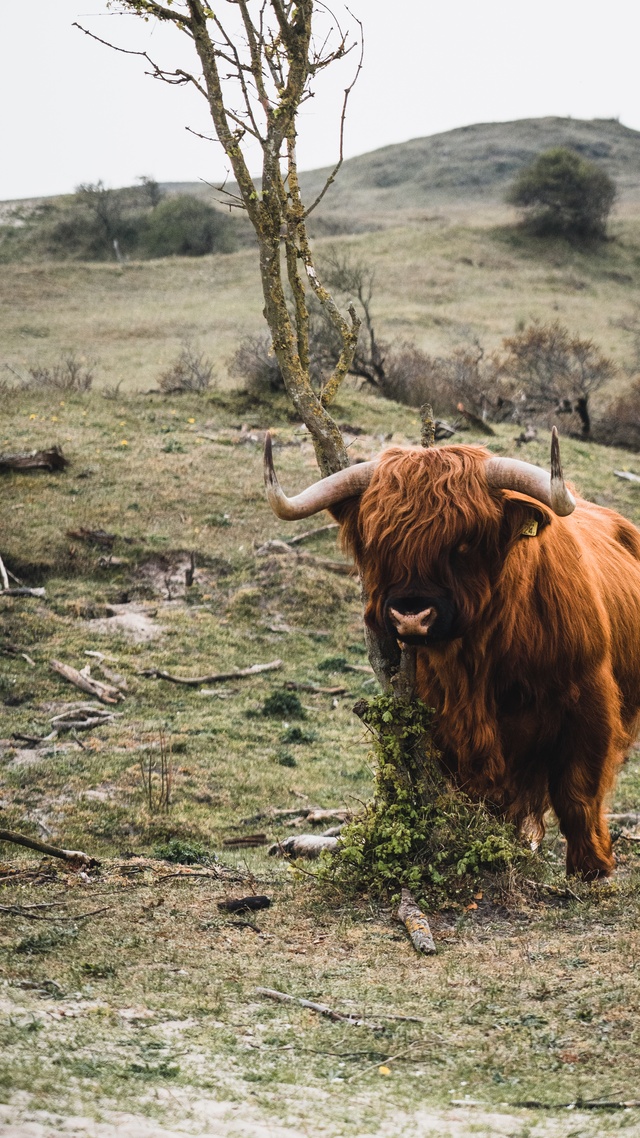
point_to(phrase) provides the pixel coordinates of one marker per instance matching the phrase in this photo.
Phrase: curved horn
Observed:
(510, 474)
(327, 492)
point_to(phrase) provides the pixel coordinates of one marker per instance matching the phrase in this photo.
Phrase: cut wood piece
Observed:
(217, 677)
(51, 459)
(303, 845)
(416, 924)
(83, 680)
(76, 856)
(245, 904)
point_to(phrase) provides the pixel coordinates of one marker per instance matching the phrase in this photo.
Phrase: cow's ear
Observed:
(523, 518)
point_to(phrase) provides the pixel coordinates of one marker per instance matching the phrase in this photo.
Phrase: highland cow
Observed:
(523, 603)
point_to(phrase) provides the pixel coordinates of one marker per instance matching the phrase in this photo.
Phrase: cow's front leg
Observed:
(582, 769)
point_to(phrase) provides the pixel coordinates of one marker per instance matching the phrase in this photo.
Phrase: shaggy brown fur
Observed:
(538, 695)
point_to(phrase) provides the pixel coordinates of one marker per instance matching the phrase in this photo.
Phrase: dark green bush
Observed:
(184, 226)
(562, 193)
(283, 705)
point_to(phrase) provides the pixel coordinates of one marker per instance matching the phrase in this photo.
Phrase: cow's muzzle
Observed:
(419, 619)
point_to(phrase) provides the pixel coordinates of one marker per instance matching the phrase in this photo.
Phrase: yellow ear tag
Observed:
(530, 529)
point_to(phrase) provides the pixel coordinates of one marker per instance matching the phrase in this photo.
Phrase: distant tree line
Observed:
(101, 224)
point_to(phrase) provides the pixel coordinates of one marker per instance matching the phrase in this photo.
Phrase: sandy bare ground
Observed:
(207, 1117)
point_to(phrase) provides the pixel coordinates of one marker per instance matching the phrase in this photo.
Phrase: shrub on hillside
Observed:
(255, 362)
(619, 423)
(184, 226)
(562, 193)
(191, 372)
(555, 370)
(70, 374)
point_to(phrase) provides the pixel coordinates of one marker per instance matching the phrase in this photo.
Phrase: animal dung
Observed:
(245, 904)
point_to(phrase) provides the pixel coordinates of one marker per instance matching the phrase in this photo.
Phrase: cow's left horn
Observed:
(327, 492)
(510, 474)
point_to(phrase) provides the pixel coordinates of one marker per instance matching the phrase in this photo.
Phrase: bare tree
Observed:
(258, 62)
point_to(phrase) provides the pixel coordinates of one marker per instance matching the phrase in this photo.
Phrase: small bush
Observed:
(333, 664)
(561, 193)
(255, 362)
(298, 735)
(190, 373)
(418, 832)
(283, 705)
(183, 852)
(71, 375)
(184, 226)
(285, 759)
(618, 425)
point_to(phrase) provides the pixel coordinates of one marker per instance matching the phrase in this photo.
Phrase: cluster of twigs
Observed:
(157, 779)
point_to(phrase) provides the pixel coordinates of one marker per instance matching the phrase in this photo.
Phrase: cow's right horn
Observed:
(349, 483)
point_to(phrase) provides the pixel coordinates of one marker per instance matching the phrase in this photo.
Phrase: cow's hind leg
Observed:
(582, 768)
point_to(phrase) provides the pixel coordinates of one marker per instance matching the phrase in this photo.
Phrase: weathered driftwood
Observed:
(627, 476)
(245, 904)
(216, 677)
(106, 693)
(303, 845)
(415, 922)
(76, 856)
(51, 459)
(321, 1009)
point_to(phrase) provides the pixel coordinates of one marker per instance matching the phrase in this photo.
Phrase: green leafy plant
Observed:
(417, 832)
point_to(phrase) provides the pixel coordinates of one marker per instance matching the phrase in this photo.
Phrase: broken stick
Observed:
(303, 845)
(321, 1009)
(416, 924)
(106, 693)
(45, 848)
(217, 677)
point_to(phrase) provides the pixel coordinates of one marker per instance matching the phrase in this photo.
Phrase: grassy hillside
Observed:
(438, 283)
(143, 1020)
(470, 166)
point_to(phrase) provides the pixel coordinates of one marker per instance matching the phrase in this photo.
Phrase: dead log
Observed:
(303, 845)
(216, 677)
(83, 680)
(51, 459)
(416, 924)
(475, 421)
(76, 856)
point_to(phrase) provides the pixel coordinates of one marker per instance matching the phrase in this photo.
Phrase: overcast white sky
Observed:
(73, 111)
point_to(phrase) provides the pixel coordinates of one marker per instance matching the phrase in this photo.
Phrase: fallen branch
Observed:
(475, 421)
(311, 533)
(416, 924)
(106, 693)
(629, 837)
(76, 856)
(3, 576)
(303, 845)
(321, 1009)
(555, 890)
(217, 677)
(22, 911)
(292, 685)
(249, 840)
(317, 815)
(624, 819)
(21, 592)
(52, 459)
